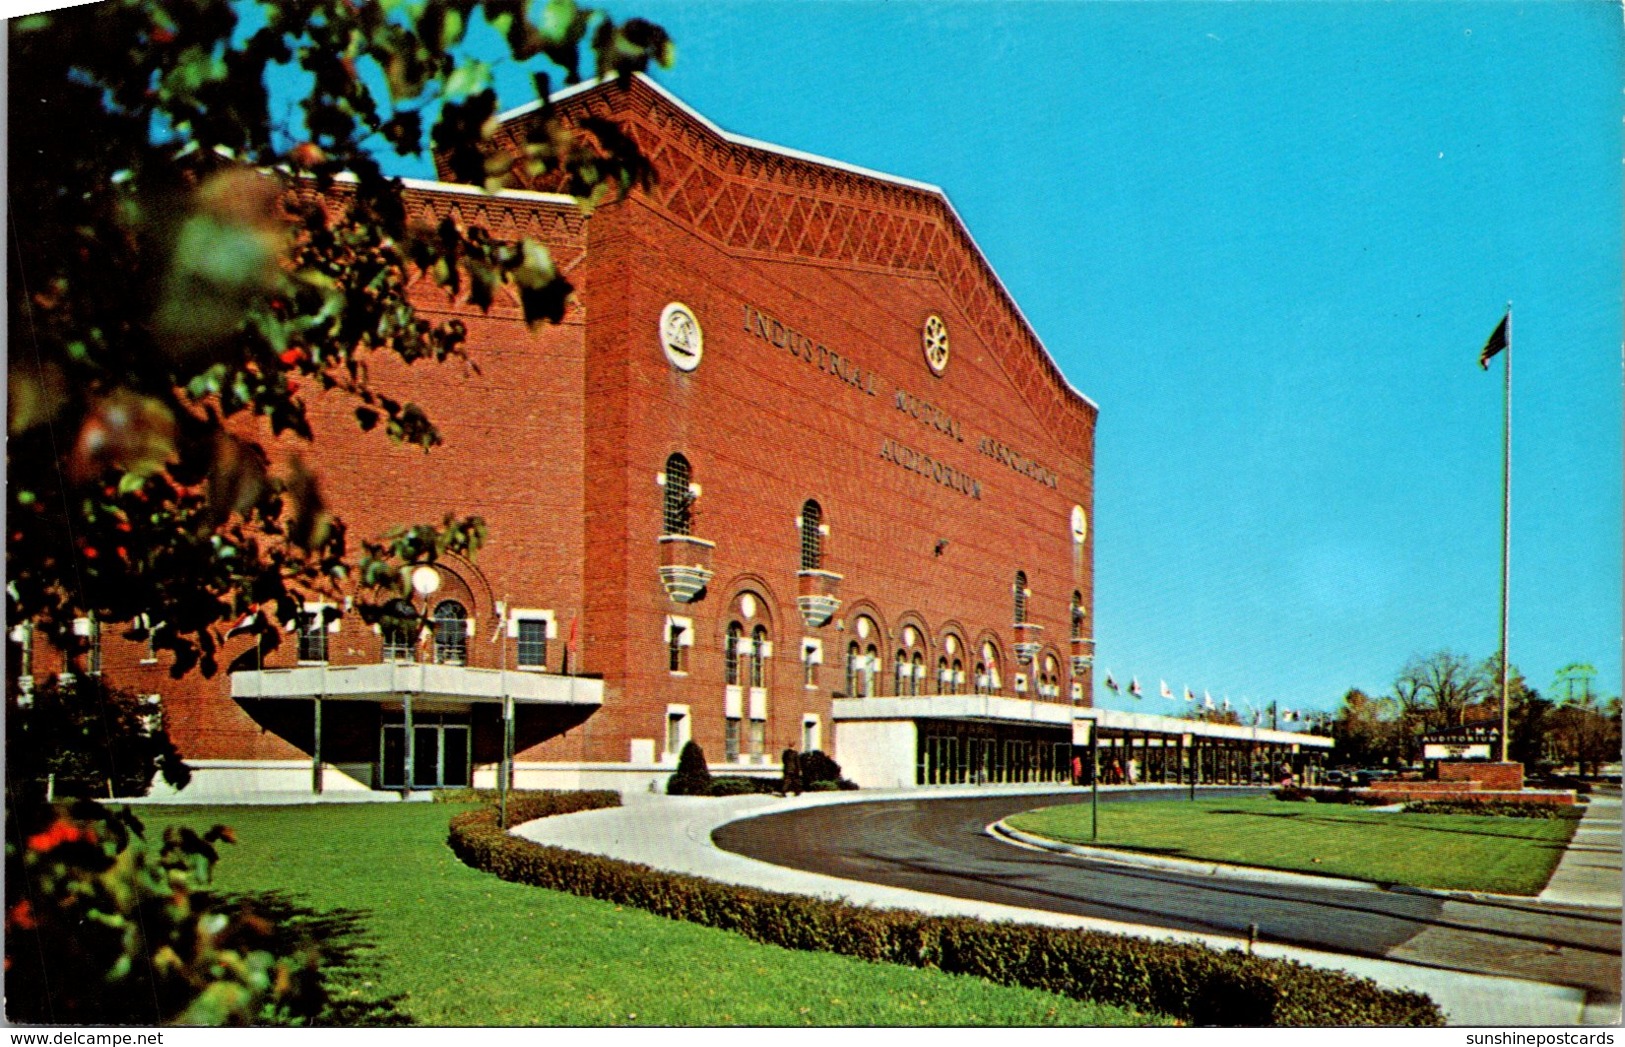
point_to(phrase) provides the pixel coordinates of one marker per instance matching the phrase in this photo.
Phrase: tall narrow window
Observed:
(679, 511)
(313, 633)
(730, 653)
(730, 740)
(945, 677)
(812, 536)
(533, 643)
(871, 667)
(758, 657)
(676, 648)
(905, 675)
(450, 633)
(810, 655)
(1077, 615)
(854, 671)
(919, 674)
(983, 683)
(1021, 597)
(958, 677)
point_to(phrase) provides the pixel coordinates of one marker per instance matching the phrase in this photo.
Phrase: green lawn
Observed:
(1446, 851)
(419, 935)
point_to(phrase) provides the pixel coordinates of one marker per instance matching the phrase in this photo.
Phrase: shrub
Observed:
(104, 928)
(793, 782)
(823, 785)
(739, 785)
(693, 777)
(1293, 794)
(1190, 982)
(1501, 809)
(817, 766)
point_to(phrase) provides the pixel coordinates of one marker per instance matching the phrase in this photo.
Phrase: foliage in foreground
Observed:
(1189, 982)
(81, 736)
(105, 928)
(196, 250)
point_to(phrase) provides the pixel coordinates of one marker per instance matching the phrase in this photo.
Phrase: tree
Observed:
(185, 263)
(83, 737)
(1585, 727)
(1366, 729)
(1440, 687)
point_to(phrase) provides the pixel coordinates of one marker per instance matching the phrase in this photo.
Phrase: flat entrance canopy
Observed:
(418, 753)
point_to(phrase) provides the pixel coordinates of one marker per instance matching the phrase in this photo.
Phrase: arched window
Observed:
(871, 672)
(854, 672)
(995, 680)
(984, 683)
(679, 512)
(730, 653)
(812, 536)
(450, 633)
(959, 675)
(904, 674)
(945, 678)
(918, 674)
(1077, 615)
(758, 658)
(1021, 597)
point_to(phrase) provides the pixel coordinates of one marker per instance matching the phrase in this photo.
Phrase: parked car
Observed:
(1339, 777)
(1374, 774)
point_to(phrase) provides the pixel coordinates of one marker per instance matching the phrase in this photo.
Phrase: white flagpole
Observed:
(1506, 530)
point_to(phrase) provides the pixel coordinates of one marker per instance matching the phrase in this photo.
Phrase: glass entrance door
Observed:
(440, 754)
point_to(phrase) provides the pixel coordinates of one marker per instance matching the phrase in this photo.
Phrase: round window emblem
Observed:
(1080, 524)
(934, 339)
(680, 336)
(747, 605)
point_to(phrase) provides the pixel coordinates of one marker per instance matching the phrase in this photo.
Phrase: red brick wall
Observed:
(1489, 775)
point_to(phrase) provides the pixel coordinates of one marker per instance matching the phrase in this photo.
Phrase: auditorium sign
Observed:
(763, 325)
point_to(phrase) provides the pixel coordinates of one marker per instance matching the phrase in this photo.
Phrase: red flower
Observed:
(21, 916)
(59, 833)
(292, 356)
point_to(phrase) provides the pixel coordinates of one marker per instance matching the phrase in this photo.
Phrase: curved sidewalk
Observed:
(674, 833)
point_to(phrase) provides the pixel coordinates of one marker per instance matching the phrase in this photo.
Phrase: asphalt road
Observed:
(941, 846)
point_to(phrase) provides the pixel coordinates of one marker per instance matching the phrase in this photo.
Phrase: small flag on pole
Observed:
(1134, 687)
(247, 623)
(1207, 700)
(1189, 697)
(1111, 684)
(1166, 693)
(1497, 342)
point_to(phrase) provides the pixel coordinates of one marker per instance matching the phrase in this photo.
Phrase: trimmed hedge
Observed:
(1189, 982)
(1500, 809)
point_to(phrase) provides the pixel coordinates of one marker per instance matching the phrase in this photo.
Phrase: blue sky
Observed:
(1269, 240)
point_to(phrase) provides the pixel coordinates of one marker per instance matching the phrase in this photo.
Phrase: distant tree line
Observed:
(1577, 726)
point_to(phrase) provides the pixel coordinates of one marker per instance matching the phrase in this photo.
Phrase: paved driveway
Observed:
(940, 846)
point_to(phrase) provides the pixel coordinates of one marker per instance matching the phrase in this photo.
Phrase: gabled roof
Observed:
(584, 93)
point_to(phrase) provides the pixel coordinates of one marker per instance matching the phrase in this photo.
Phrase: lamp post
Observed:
(1186, 742)
(425, 582)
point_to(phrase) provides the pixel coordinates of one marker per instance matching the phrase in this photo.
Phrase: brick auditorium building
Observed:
(795, 472)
